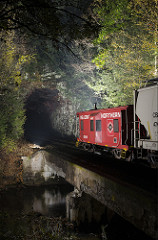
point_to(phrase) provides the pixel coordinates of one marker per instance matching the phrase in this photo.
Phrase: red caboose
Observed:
(106, 129)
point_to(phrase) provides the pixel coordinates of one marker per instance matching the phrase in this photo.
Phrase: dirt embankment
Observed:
(11, 167)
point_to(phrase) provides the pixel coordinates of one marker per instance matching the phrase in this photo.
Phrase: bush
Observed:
(12, 118)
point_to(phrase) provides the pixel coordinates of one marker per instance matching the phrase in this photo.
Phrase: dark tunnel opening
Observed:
(39, 105)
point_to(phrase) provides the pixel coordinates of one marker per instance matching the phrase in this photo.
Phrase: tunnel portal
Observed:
(39, 106)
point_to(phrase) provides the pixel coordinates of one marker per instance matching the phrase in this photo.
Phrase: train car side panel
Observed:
(105, 127)
(84, 127)
(111, 121)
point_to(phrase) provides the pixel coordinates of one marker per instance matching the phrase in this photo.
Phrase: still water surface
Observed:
(20, 210)
(47, 200)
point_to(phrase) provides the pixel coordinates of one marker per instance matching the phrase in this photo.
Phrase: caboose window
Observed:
(98, 125)
(81, 125)
(92, 125)
(116, 125)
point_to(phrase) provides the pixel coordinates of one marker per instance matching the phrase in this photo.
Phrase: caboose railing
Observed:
(136, 122)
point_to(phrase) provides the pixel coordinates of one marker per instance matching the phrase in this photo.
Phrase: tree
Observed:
(146, 12)
(126, 48)
(28, 61)
(60, 21)
(12, 114)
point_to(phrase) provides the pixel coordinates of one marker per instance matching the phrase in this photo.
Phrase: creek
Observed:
(41, 212)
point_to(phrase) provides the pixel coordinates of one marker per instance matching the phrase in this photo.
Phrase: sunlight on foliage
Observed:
(127, 48)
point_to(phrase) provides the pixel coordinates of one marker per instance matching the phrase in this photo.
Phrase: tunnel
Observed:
(39, 105)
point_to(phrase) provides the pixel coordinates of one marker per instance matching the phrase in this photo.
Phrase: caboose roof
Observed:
(102, 110)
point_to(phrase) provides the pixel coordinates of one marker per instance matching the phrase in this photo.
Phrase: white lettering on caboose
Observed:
(85, 136)
(111, 115)
(84, 117)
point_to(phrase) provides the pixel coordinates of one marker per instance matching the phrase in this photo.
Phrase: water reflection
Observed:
(26, 212)
(51, 203)
(47, 200)
(20, 210)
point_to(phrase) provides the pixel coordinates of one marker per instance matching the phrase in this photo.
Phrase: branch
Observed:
(44, 6)
(42, 34)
